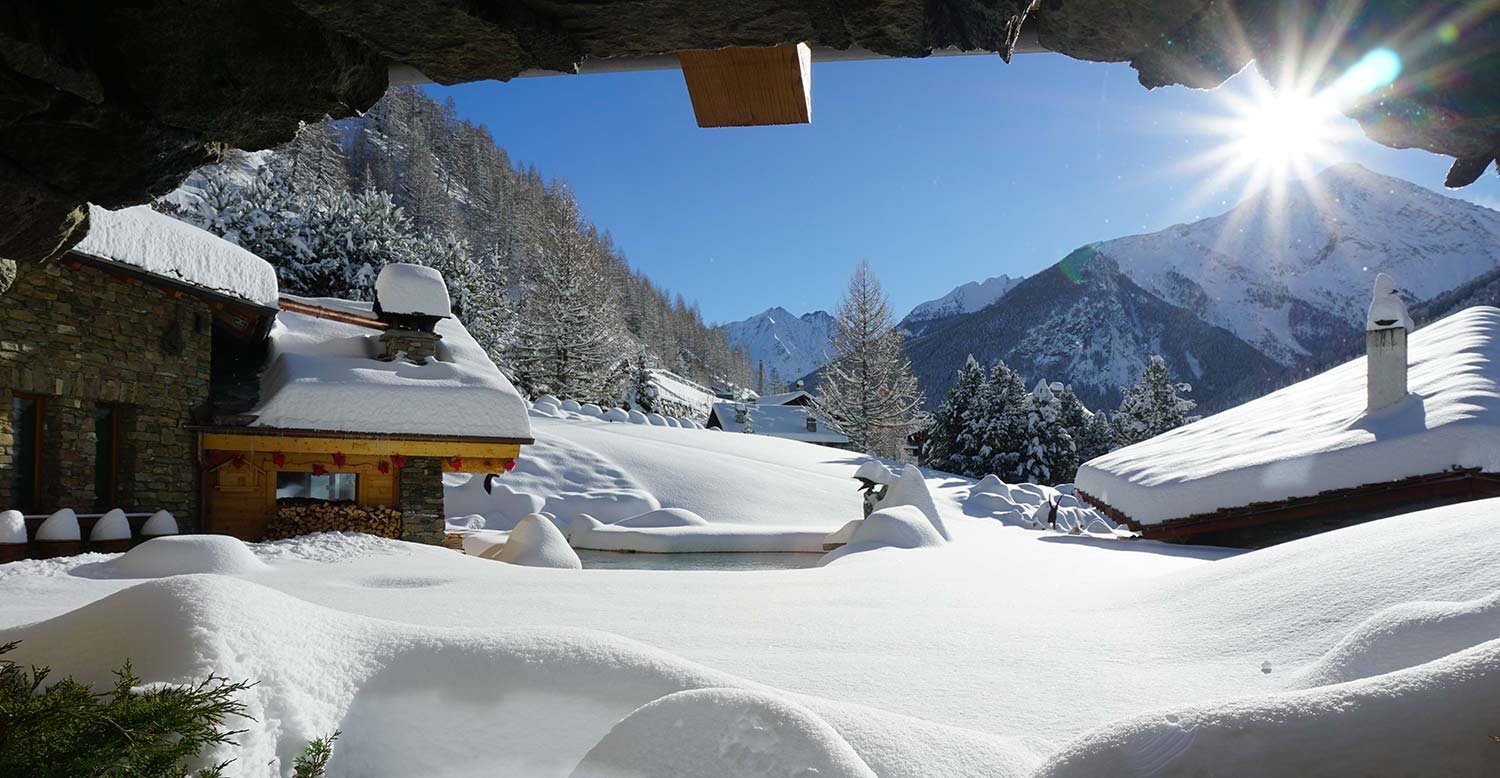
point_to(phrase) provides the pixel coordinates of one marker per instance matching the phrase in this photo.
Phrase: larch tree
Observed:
(869, 390)
(568, 344)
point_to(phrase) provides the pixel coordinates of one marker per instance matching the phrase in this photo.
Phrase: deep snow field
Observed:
(1009, 651)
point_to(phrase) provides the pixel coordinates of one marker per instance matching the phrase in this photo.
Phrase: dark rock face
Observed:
(114, 102)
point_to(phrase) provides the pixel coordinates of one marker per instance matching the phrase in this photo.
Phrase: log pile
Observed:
(300, 517)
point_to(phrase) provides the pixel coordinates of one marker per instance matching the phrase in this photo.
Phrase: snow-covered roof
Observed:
(785, 398)
(781, 421)
(412, 289)
(322, 374)
(165, 247)
(1315, 435)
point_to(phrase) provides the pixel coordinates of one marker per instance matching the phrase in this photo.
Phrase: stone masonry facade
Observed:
(422, 500)
(79, 337)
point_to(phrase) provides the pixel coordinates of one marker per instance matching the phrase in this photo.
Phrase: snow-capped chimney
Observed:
(812, 423)
(412, 299)
(1386, 327)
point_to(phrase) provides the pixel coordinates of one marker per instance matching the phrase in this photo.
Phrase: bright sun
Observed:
(1285, 132)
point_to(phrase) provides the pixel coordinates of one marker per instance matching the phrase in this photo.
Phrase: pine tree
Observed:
(1153, 405)
(869, 390)
(1097, 438)
(1048, 455)
(944, 449)
(997, 429)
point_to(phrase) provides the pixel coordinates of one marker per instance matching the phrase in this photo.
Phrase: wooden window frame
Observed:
(114, 457)
(36, 442)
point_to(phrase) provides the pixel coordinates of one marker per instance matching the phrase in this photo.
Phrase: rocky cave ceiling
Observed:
(115, 102)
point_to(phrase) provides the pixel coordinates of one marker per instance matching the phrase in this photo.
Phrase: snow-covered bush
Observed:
(537, 542)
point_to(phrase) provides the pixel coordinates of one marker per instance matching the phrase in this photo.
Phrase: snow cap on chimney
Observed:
(1387, 311)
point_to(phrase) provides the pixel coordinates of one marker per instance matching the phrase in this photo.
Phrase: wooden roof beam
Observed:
(750, 87)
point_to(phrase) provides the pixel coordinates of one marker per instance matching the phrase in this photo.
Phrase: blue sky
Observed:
(937, 171)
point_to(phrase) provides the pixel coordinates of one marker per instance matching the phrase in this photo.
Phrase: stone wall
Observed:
(79, 337)
(422, 500)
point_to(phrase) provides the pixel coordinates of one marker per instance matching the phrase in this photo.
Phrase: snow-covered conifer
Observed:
(1153, 405)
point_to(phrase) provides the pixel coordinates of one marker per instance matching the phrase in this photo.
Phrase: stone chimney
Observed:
(411, 300)
(812, 423)
(1386, 328)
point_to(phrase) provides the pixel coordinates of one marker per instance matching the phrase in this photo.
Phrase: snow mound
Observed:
(548, 400)
(615, 414)
(636, 417)
(911, 489)
(160, 523)
(901, 526)
(165, 247)
(501, 507)
(591, 410)
(656, 420)
(571, 405)
(62, 525)
(12, 527)
(606, 505)
(537, 542)
(991, 484)
(875, 471)
(722, 732)
(1435, 719)
(664, 517)
(188, 554)
(1406, 635)
(111, 526)
(412, 289)
(696, 539)
(1099, 527)
(842, 535)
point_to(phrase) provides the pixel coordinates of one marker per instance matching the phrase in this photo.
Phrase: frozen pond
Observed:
(625, 560)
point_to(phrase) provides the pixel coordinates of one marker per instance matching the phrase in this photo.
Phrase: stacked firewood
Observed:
(300, 517)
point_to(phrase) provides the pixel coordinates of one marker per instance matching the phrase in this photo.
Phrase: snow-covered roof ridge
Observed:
(782, 421)
(322, 374)
(1316, 436)
(177, 251)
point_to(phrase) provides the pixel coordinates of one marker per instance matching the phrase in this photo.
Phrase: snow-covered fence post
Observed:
(1386, 328)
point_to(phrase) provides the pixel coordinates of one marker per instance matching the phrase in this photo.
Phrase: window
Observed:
(106, 455)
(26, 470)
(331, 487)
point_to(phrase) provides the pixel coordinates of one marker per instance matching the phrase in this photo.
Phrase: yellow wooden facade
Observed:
(239, 470)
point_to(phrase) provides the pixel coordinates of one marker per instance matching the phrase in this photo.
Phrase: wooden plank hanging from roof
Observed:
(750, 87)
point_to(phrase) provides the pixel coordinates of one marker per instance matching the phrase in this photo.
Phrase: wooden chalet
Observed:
(1385, 434)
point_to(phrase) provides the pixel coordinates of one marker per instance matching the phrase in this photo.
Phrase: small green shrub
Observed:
(67, 730)
(314, 759)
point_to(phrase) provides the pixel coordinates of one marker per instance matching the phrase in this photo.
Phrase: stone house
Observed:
(105, 356)
(156, 366)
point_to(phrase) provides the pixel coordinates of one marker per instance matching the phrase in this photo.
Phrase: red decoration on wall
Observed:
(238, 461)
(510, 464)
(319, 470)
(339, 459)
(214, 458)
(399, 461)
(457, 462)
(279, 459)
(384, 466)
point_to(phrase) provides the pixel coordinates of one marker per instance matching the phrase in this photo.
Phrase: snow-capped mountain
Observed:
(790, 346)
(1239, 303)
(1283, 278)
(933, 315)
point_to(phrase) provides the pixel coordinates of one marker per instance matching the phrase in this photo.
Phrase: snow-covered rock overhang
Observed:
(70, 140)
(322, 375)
(1315, 436)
